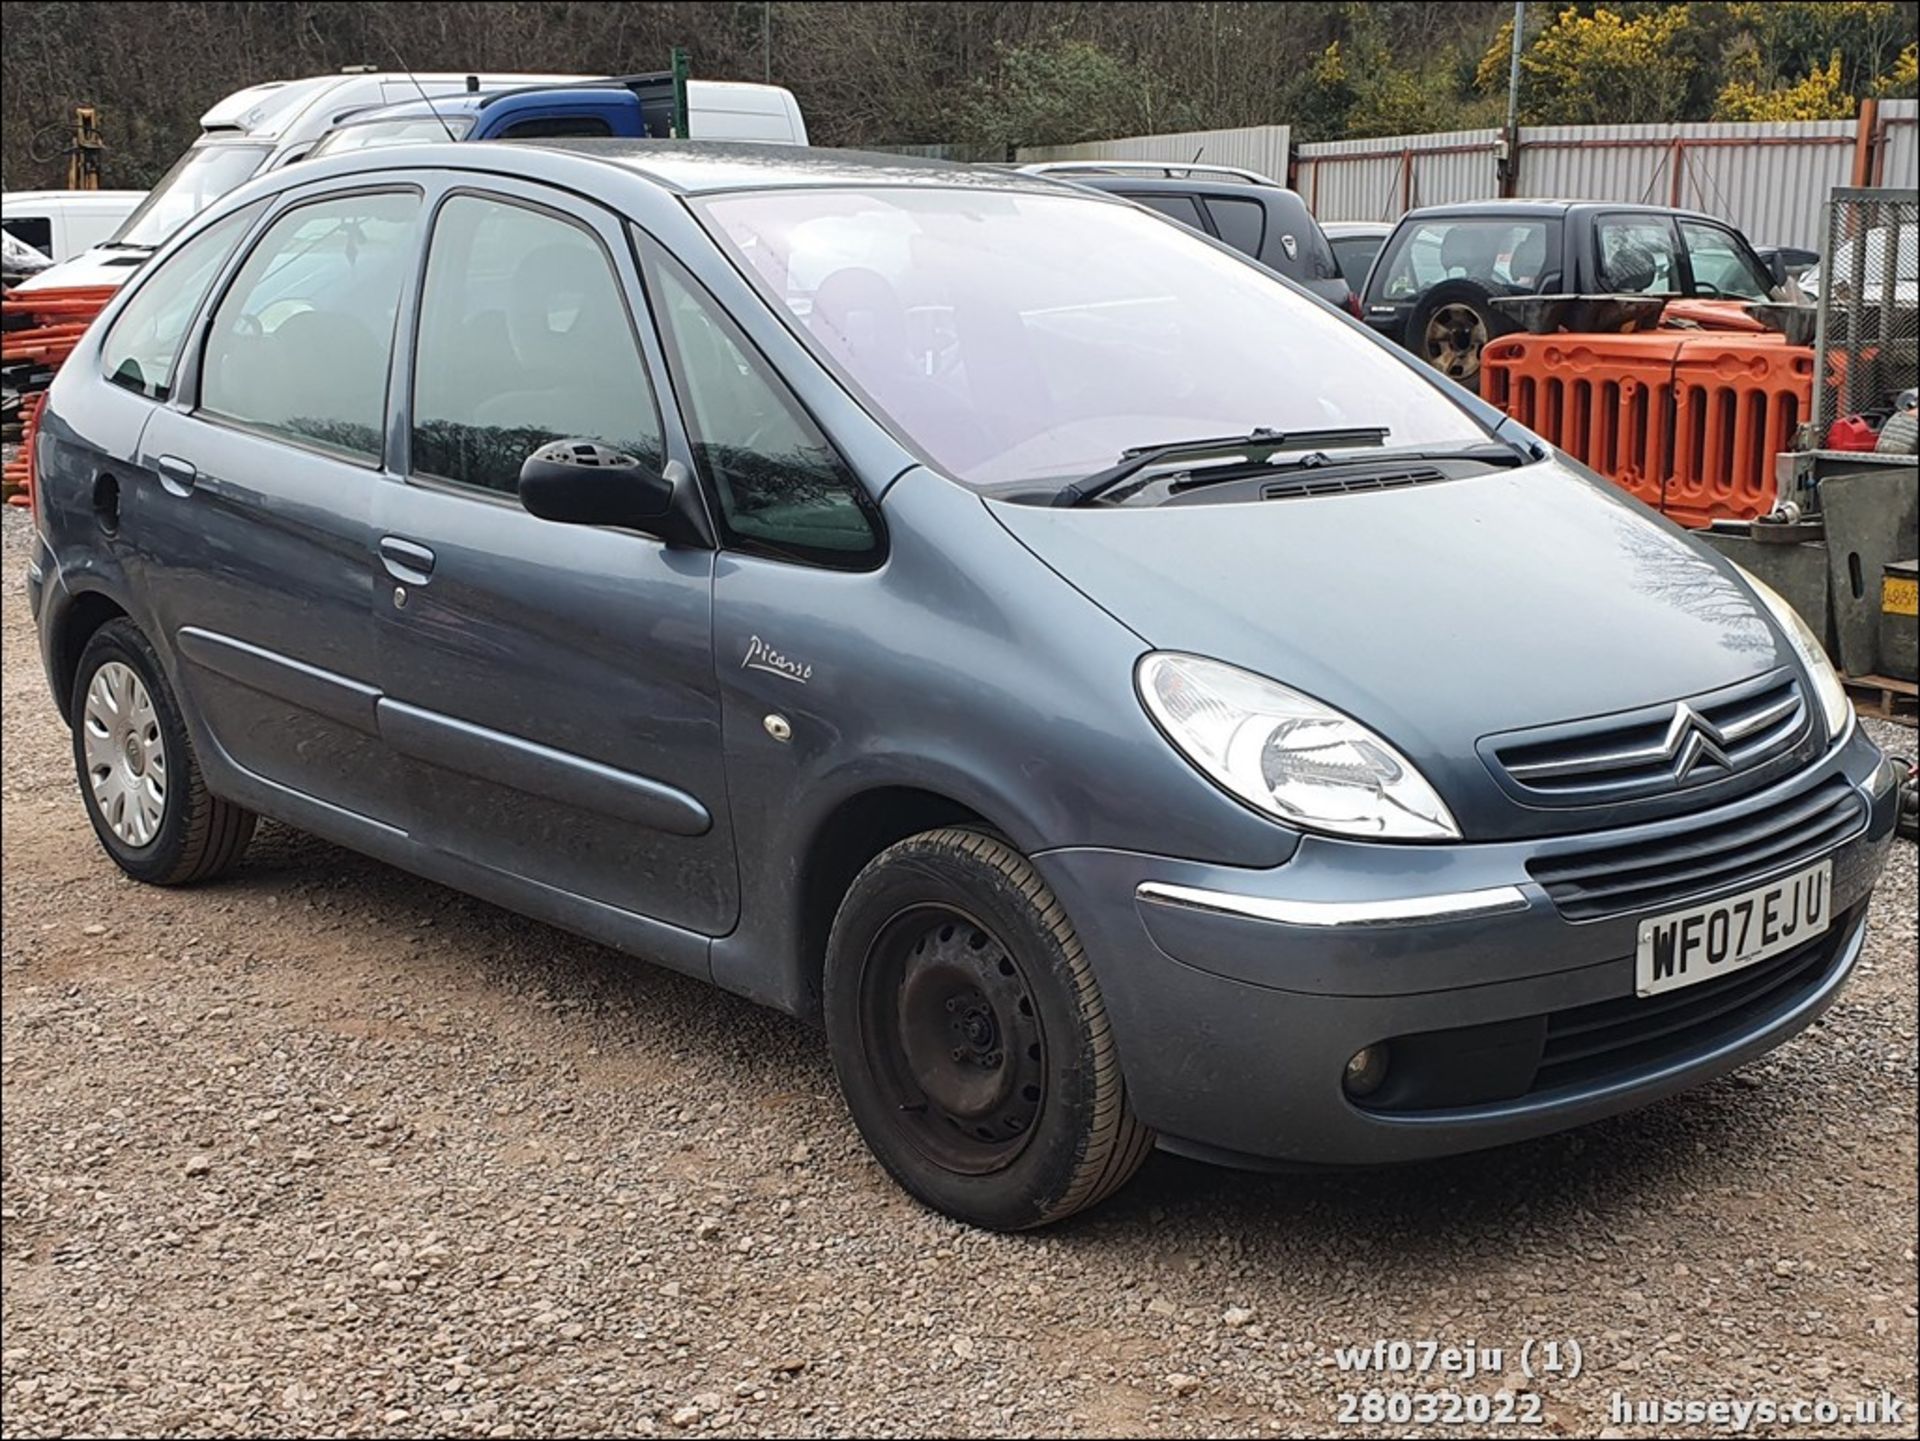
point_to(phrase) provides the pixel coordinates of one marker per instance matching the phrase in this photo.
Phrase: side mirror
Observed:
(582, 482)
(1776, 266)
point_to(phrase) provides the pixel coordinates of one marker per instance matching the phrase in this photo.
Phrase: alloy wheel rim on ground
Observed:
(1455, 336)
(125, 753)
(953, 1038)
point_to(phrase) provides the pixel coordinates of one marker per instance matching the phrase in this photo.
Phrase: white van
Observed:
(252, 130)
(267, 126)
(62, 223)
(738, 110)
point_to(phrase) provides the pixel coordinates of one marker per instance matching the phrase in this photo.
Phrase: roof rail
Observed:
(1170, 169)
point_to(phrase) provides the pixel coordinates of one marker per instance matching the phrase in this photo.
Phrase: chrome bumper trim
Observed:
(1392, 911)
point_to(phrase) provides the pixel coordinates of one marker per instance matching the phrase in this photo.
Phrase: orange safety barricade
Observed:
(1737, 401)
(1600, 398)
(1688, 421)
(38, 330)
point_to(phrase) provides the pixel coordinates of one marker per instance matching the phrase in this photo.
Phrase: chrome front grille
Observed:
(1648, 875)
(1658, 750)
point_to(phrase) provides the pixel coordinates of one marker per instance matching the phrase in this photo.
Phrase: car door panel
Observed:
(548, 689)
(265, 593)
(265, 470)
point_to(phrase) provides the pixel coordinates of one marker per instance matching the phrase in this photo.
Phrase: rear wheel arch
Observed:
(88, 611)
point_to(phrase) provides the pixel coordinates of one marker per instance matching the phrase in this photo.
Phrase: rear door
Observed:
(549, 688)
(255, 520)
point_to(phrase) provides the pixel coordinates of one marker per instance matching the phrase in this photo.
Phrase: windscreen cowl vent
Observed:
(1295, 487)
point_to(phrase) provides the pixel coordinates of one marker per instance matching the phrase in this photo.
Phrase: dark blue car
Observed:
(1124, 699)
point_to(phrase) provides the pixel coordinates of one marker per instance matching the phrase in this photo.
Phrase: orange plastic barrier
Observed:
(1598, 397)
(38, 330)
(1688, 421)
(1737, 402)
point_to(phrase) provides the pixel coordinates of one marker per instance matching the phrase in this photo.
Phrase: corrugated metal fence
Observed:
(1261, 148)
(1771, 179)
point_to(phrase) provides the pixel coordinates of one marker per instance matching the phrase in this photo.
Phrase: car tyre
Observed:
(970, 1039)
(1452, 324)
(138, 774)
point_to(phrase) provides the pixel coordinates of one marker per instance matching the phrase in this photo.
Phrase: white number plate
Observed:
(1683, 948)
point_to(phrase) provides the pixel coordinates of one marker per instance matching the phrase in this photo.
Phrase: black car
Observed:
(1255, 215)
(1432, 286)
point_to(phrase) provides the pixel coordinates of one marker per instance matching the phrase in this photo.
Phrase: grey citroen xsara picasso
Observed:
(1126, 701)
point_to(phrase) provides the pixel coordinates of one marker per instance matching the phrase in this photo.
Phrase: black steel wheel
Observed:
(955, 1037)
(970, 1039)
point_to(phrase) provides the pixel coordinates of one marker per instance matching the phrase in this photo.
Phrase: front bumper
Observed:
(1235, 1025)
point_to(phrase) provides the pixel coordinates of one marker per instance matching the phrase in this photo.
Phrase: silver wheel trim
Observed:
(126, 756)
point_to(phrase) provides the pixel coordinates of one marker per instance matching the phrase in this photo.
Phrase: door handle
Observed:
(176, 475)
(405, 560)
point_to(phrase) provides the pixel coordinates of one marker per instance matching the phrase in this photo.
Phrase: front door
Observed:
(548, 688)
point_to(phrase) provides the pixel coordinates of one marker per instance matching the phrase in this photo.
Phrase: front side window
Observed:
(524, 339)
(1720, 264)
(34, 230)
(197, 179)
(1498, 253)
(783, 489)
(1636, 255)
(143, 348)
(300, 343)
(1018, 337)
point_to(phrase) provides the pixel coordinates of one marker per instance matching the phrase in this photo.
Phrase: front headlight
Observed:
(1813, 656)
(1287, 754)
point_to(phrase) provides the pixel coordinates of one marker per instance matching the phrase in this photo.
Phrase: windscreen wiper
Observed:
(1497, 454)
(1257, 448)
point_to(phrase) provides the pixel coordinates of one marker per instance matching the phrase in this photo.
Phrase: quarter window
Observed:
(524, 339)
(301, 342)
(142, 349)
(1242, 223)
(783, 489)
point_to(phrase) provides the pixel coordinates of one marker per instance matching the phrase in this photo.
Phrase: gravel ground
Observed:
(327, 1148)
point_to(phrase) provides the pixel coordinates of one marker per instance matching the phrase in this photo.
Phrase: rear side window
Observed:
(1241, 223)
(524, 339)
(143, 348)
(783, 489)
(1183, 208)
(300, 343)
(1498, 253)
(547, 126)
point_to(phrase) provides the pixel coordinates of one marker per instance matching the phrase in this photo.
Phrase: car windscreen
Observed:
(1499, 253)
(1018, 337)
(197, 179)
(374, 134)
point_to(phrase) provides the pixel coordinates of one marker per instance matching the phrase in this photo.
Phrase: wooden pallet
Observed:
(1885, 698)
